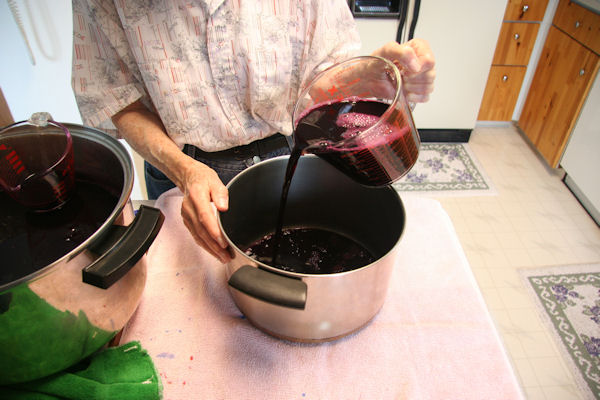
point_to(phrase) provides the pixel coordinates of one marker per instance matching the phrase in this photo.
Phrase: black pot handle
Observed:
(270, 287)
(127, 249)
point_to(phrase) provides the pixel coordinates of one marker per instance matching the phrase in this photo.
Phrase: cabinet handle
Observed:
(517, 36)
(525, 8)
(577, 24)
(504, 78)
(581, 72)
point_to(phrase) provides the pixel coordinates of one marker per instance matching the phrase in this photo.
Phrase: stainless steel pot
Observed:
(56, 316)
(310, 307)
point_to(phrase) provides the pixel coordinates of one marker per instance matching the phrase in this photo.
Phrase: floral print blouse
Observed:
(219, 73)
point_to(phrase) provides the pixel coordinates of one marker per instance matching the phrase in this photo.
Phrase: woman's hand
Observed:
(203, 194)
(417, 65)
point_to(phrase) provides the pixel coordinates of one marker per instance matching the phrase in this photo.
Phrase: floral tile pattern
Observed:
(571, 303)
(444, 167)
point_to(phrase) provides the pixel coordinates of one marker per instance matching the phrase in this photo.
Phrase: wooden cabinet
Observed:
(515, 43)
(525, 10)
(513, 51)
(5, 115)
(565, 72)
(579, 23)
(501, 92)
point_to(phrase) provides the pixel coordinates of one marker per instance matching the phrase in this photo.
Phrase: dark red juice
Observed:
(311, 251)
(30, 241)
(43, 184)
(372, 150)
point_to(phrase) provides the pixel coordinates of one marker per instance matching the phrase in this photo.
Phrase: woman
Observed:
(204, 89)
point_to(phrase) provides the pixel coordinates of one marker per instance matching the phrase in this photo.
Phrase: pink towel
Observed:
(433, 338)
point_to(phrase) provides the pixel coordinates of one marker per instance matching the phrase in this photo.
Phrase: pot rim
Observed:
(279, 271)
(123, 156)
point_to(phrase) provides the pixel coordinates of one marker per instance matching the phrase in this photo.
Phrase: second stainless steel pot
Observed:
(310, 307)
(57, 315)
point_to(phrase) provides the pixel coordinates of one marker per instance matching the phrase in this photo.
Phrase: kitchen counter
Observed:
(432, 339)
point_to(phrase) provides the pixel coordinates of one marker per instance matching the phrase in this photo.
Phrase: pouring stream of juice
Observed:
(350, 136)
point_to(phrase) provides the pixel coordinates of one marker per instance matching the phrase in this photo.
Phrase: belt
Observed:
(257, 148)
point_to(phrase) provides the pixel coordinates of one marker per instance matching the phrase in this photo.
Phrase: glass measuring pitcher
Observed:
(36, 162)
(355, 116)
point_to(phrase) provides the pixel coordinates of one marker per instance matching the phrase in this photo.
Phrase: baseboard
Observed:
(582, 198)
(445, 135)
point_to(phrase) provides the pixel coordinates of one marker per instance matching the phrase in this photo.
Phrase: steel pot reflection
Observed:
(310, 307)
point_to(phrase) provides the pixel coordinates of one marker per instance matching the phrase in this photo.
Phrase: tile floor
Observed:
(533, 221)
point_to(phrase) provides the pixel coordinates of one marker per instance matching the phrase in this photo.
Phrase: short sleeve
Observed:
(105, 78)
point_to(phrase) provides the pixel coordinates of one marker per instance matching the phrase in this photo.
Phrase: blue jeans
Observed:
(226, 168)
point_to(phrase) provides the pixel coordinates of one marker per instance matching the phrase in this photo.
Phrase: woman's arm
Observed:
(203, 190)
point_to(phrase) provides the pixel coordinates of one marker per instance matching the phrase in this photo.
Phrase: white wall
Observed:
(463, 36)
(375, 32)
(45, 86)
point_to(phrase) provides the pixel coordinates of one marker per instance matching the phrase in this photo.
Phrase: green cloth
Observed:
(30, 327)
(125, 372)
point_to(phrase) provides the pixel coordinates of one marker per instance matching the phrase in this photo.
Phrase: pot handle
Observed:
(133, 242)
(270, 287)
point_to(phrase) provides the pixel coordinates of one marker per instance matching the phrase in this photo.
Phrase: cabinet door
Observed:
(5, 115)
(501, 93)
(515, 43)
(525, 10)
(561, 81)
(579, 23)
